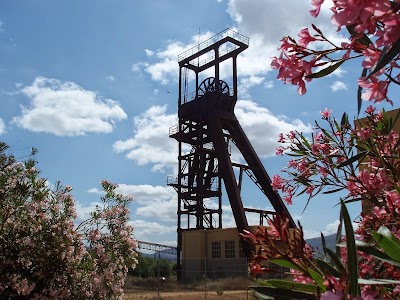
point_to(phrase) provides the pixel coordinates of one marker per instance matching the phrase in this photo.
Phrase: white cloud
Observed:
(144, 194)
(156, 91)
(144, 229)
(246, 83)
(164, 68)
(66, 109)
(265, 22)
(83, 211)
(330, 228)
(2, 126)
(139, 66)
(269, 84)
(96, 191)
(338, 85)
(150, 142)
(149, 52)
(263, 128)
(110, 78)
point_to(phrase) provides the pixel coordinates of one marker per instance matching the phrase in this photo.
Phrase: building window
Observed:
(241, 252)
(229, 249)
(216, 250)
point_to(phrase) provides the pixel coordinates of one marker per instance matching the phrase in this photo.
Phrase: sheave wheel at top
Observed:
(208, 86)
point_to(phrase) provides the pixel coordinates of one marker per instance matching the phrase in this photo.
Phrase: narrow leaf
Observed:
(359, 92)
(356, 157)
(326, 71)
(364, 40)
(323, 241)
(285, 263)
(386, 57)
(378, 281)
(297, 286)
(352, 261)
(267, 293)
(333, 191)
(305, 142)
(345, 120)
(327, 268)
(391, 246)
(339, 233)
(318, 279)
(336, 260)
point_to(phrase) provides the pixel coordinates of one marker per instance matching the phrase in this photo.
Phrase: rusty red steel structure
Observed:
(207, 127)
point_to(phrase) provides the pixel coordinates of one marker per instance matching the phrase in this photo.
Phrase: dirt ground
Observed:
(195, 295)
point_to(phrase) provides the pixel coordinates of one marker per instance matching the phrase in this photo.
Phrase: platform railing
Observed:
(219, 36)
(197, 63)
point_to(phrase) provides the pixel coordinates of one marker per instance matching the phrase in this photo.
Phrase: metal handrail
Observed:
(173, 129)
(212, 57)
(219, 36)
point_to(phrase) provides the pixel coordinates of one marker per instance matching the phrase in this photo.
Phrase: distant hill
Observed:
(316, 243)
(163, 255)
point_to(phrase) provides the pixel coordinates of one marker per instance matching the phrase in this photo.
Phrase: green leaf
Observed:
(326, 71)
(359, 92)
(364, 40)
(386, 57)
(388, 242)
(323, 241)
(336, 260)
(339, 234)
(352, 261)
(378, 281)
(356, 157)
(327, 268)
(305, 142)
(345, 120)
(373, 251)
(267, 293)
(327, 134)
(333, 191)
(317, 278)
(286, 263)
(291, 285)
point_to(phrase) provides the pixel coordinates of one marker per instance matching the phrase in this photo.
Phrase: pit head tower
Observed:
(206, 130)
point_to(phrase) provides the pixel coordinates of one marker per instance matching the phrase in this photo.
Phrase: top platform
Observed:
(236, 44)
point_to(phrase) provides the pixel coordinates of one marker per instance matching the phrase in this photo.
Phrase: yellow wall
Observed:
(196, 244)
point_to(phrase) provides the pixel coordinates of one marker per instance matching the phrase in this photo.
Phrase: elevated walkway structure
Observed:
(208, 127)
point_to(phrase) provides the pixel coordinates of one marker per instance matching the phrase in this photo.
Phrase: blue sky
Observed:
(93, 86)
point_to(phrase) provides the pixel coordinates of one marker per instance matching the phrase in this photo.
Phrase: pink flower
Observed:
(329, 295)
(279, 151)
(326, 113)
(317, 4)
(277, 182)
(323, 171)
(281, 138)
(371, 57)
(375, 90)
(310, 189)
(305, 37)
(370, 110)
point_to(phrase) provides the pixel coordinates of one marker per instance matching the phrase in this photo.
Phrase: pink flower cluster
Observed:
(43, 255)
(380, 19)
(325, 163)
